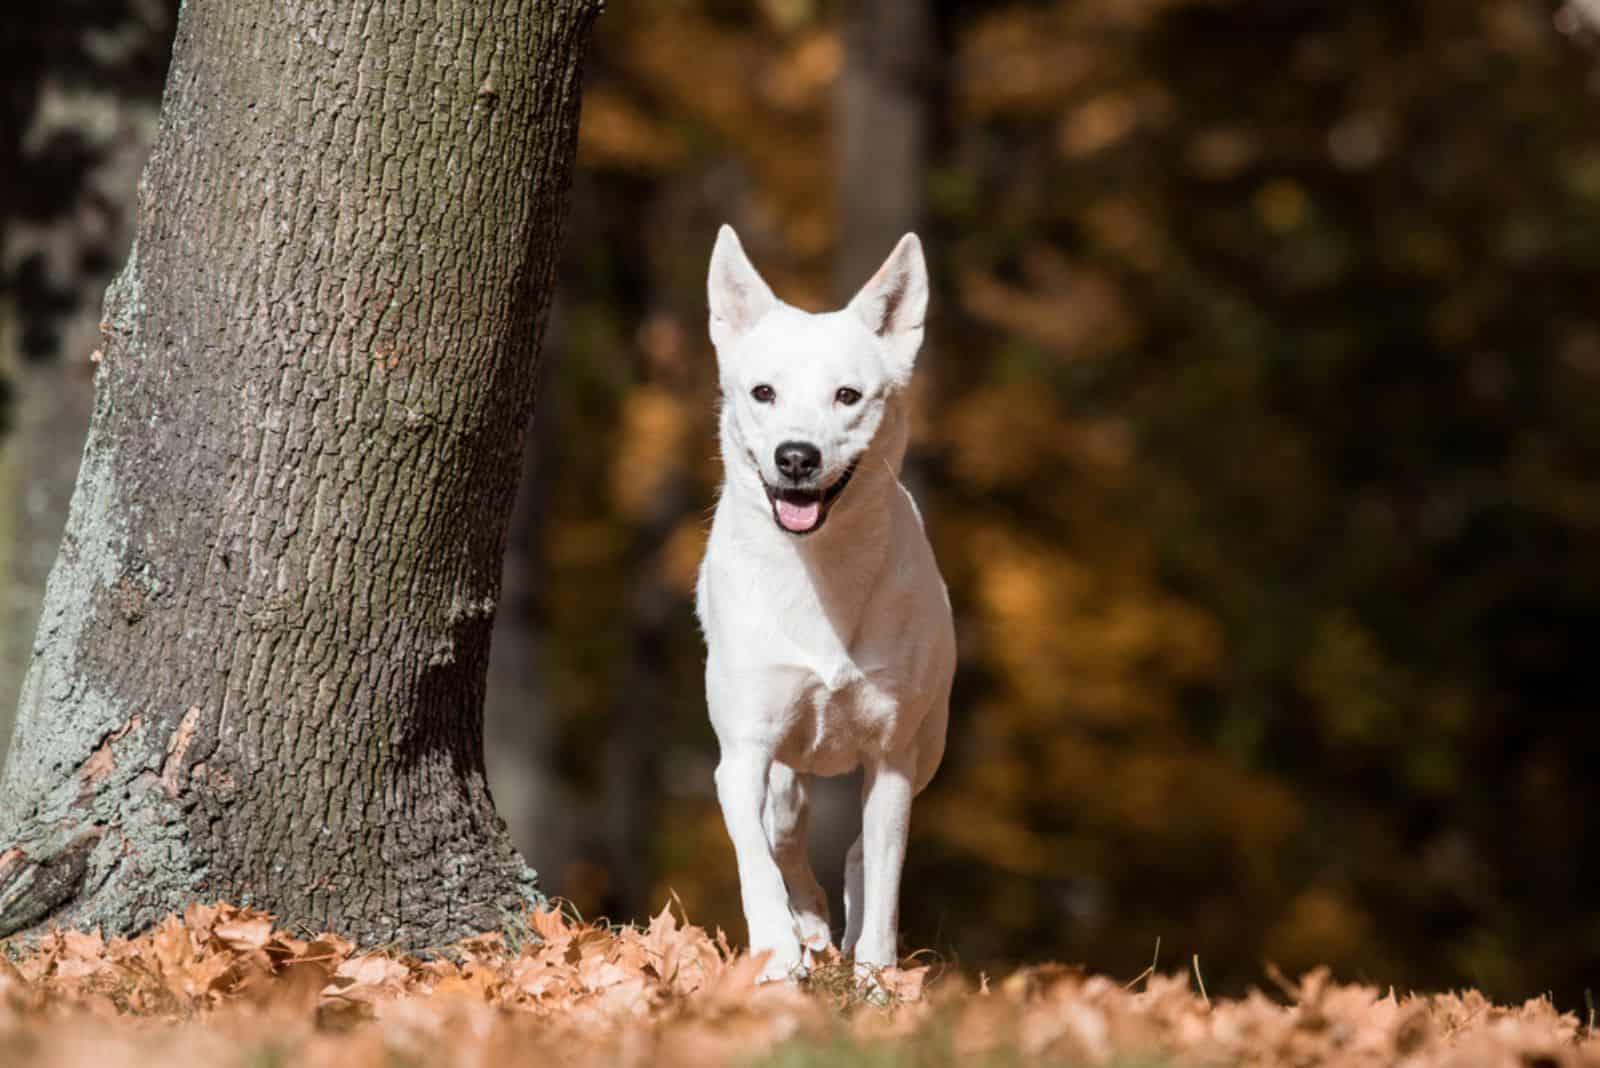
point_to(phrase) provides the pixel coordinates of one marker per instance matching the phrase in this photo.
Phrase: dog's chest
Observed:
(835, 715)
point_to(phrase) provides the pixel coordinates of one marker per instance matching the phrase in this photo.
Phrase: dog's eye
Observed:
(847, 396)
(765, 394)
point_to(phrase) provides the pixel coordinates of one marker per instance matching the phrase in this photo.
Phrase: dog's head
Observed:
(804, 396)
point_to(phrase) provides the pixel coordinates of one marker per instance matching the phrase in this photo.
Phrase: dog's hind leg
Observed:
(854, 878)
(786, 821)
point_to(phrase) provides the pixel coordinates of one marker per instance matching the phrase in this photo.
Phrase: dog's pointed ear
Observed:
(892, 304)
(737, 293)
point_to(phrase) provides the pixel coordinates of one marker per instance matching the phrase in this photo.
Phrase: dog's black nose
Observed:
(798, 460)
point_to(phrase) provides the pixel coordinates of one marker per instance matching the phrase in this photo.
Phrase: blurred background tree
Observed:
(76, 121)
(1257, 439)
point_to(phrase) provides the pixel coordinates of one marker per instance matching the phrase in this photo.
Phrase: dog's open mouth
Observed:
(802, 511)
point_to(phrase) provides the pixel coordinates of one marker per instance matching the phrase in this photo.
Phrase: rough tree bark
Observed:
(260, 670)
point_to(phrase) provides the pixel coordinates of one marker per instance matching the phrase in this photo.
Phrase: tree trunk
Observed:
(520, 726)
(882, 104)
(259, 674)
(881, 108)
(38, 468)
(629, 762)
(74, 134)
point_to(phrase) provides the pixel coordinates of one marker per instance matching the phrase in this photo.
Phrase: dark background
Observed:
(1258, 439)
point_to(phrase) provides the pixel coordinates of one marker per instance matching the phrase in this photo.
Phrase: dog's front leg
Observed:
(742, 792)
(885, 822)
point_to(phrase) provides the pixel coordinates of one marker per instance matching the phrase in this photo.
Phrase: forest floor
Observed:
(221, 986)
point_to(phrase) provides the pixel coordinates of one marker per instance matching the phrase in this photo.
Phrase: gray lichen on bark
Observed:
(71, 798)
(89, 562)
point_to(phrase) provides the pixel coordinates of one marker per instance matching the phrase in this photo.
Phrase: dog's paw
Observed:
(813, 932)
(783, 964)
(870, 985)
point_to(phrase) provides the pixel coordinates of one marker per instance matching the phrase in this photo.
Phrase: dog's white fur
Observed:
(836, 648)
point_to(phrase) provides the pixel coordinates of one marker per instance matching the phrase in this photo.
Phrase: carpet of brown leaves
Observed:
(222, 986)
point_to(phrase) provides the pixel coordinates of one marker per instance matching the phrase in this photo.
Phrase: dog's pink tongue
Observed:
(799, 517)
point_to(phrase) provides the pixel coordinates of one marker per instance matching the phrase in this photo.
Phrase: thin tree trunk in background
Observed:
(260, 670)
(521, 732)
(77, 128)
(882, 107)
(881, 116)
(38, 466)
(655, 610)
(629, 771)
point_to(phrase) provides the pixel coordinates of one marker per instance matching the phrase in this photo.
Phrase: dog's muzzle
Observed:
(803, 511)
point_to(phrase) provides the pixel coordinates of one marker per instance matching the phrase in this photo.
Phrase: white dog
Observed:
(829, 630)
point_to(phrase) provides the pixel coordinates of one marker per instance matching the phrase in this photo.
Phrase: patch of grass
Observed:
(930, 1048)
(267, 1057)
(834, 980)
(846, 1052)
